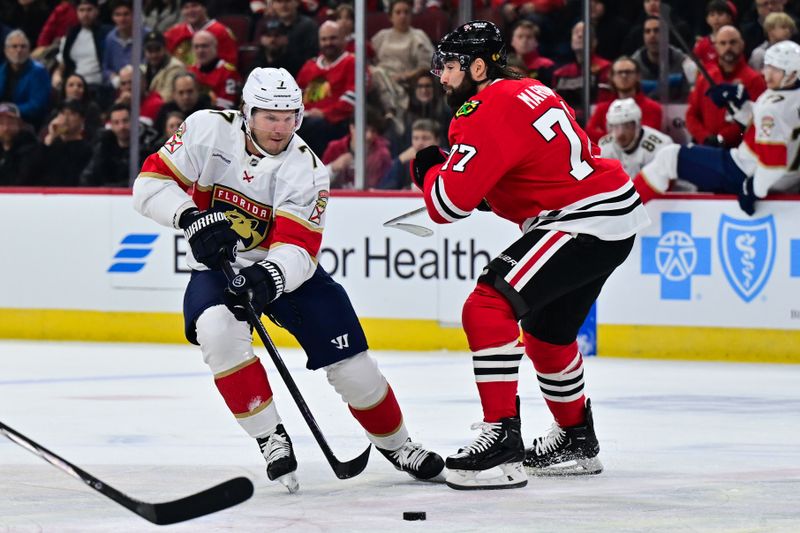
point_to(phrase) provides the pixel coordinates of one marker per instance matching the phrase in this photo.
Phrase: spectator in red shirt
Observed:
(218, 77)
(63, 17)
(525, 42)
(719, 13)
(338, 155)
(329, 89)
(705, 121)
(194, 17)
(626, 83)
(568, 80)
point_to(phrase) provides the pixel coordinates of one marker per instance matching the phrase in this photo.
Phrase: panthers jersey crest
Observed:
(249, 219)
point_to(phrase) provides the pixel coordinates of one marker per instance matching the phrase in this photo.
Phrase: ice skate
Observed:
(570, 451)
(415, 460)
(281, 463)
(498, 445)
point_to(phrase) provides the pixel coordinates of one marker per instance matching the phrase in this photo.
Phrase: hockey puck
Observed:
(414, 515)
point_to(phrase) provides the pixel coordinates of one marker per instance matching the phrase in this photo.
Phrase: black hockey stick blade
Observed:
(216, 498)
(343, 470)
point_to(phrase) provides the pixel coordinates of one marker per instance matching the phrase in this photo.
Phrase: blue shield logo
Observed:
(747, 253)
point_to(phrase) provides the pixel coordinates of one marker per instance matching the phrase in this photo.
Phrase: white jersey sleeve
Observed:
(770, 151)
(160, 192)
(301, 198)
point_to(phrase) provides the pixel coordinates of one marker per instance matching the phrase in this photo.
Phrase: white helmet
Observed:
(622, 111)
(271, 88)
(785, 56)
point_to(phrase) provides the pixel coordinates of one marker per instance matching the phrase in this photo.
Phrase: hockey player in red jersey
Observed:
(518, 151)
(246, 188)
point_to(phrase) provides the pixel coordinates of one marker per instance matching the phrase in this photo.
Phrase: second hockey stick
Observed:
(397, 222)
(217, 498)
(343, 470)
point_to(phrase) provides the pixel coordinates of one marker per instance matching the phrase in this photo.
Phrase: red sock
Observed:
(245, 388)
(383, 418)
(560, 372)
(493, 335)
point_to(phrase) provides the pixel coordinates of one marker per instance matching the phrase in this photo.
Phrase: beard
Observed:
(456, 97)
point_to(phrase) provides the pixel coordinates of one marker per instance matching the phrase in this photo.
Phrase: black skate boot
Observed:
(498, 445)
(570, 451)
(281, 463)
(418, 462)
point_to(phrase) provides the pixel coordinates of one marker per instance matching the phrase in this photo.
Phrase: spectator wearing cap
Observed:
(160, 68)
(706, 122)
(273, 47)
(119, 41)
(625, 82)
(218, 77)
(301, 32)
(20, 151)
(82, 50)
(194, 17)
(186, 98)
(23, 81)
(329, 89)
(719, 13)
(66, 149)
(108, 166)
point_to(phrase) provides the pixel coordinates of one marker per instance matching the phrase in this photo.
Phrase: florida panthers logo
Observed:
(319, 207)
(250, 220)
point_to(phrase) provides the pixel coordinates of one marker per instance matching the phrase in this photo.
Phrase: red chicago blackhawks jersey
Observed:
(331, 88)
(517, 144)
(222, 81)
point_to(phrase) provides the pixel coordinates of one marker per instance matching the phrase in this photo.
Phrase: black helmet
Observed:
(479, 38)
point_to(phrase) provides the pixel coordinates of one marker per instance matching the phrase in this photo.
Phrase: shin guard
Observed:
(493, 335)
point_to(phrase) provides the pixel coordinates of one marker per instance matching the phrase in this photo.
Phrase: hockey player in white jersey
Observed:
(628, 141)
(767, 160)
(245, 188)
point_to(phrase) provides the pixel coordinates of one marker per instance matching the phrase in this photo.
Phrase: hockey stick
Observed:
(216, 498)
(397, 222)
(666, 10)
(343, 470)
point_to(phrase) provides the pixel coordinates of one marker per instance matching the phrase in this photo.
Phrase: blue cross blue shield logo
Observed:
(747, 253)
(676, 256)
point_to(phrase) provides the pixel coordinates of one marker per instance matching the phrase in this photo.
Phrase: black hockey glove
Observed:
(747, 196)
(260, 284)
(210, 236)
(425, 159)
(724, 94)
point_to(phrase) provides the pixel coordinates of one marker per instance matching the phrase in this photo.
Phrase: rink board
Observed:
(703, 281)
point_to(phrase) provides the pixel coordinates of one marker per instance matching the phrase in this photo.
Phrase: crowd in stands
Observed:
(66, 72)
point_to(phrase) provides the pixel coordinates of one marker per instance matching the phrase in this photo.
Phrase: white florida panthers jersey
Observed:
(275, 203)
(650, 142)
(770, 151)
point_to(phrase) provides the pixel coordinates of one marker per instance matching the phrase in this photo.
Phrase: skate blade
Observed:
(290, 482)
(512, 476)
(576, 467)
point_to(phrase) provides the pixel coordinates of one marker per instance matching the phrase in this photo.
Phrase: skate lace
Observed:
(549, 442)
(489, 432)
(276, 447)
(410, 455)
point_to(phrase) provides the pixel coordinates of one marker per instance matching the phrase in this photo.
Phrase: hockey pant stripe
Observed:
(566, 386)
(536, 258)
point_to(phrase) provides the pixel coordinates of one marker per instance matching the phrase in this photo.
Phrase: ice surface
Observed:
(687, 446)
